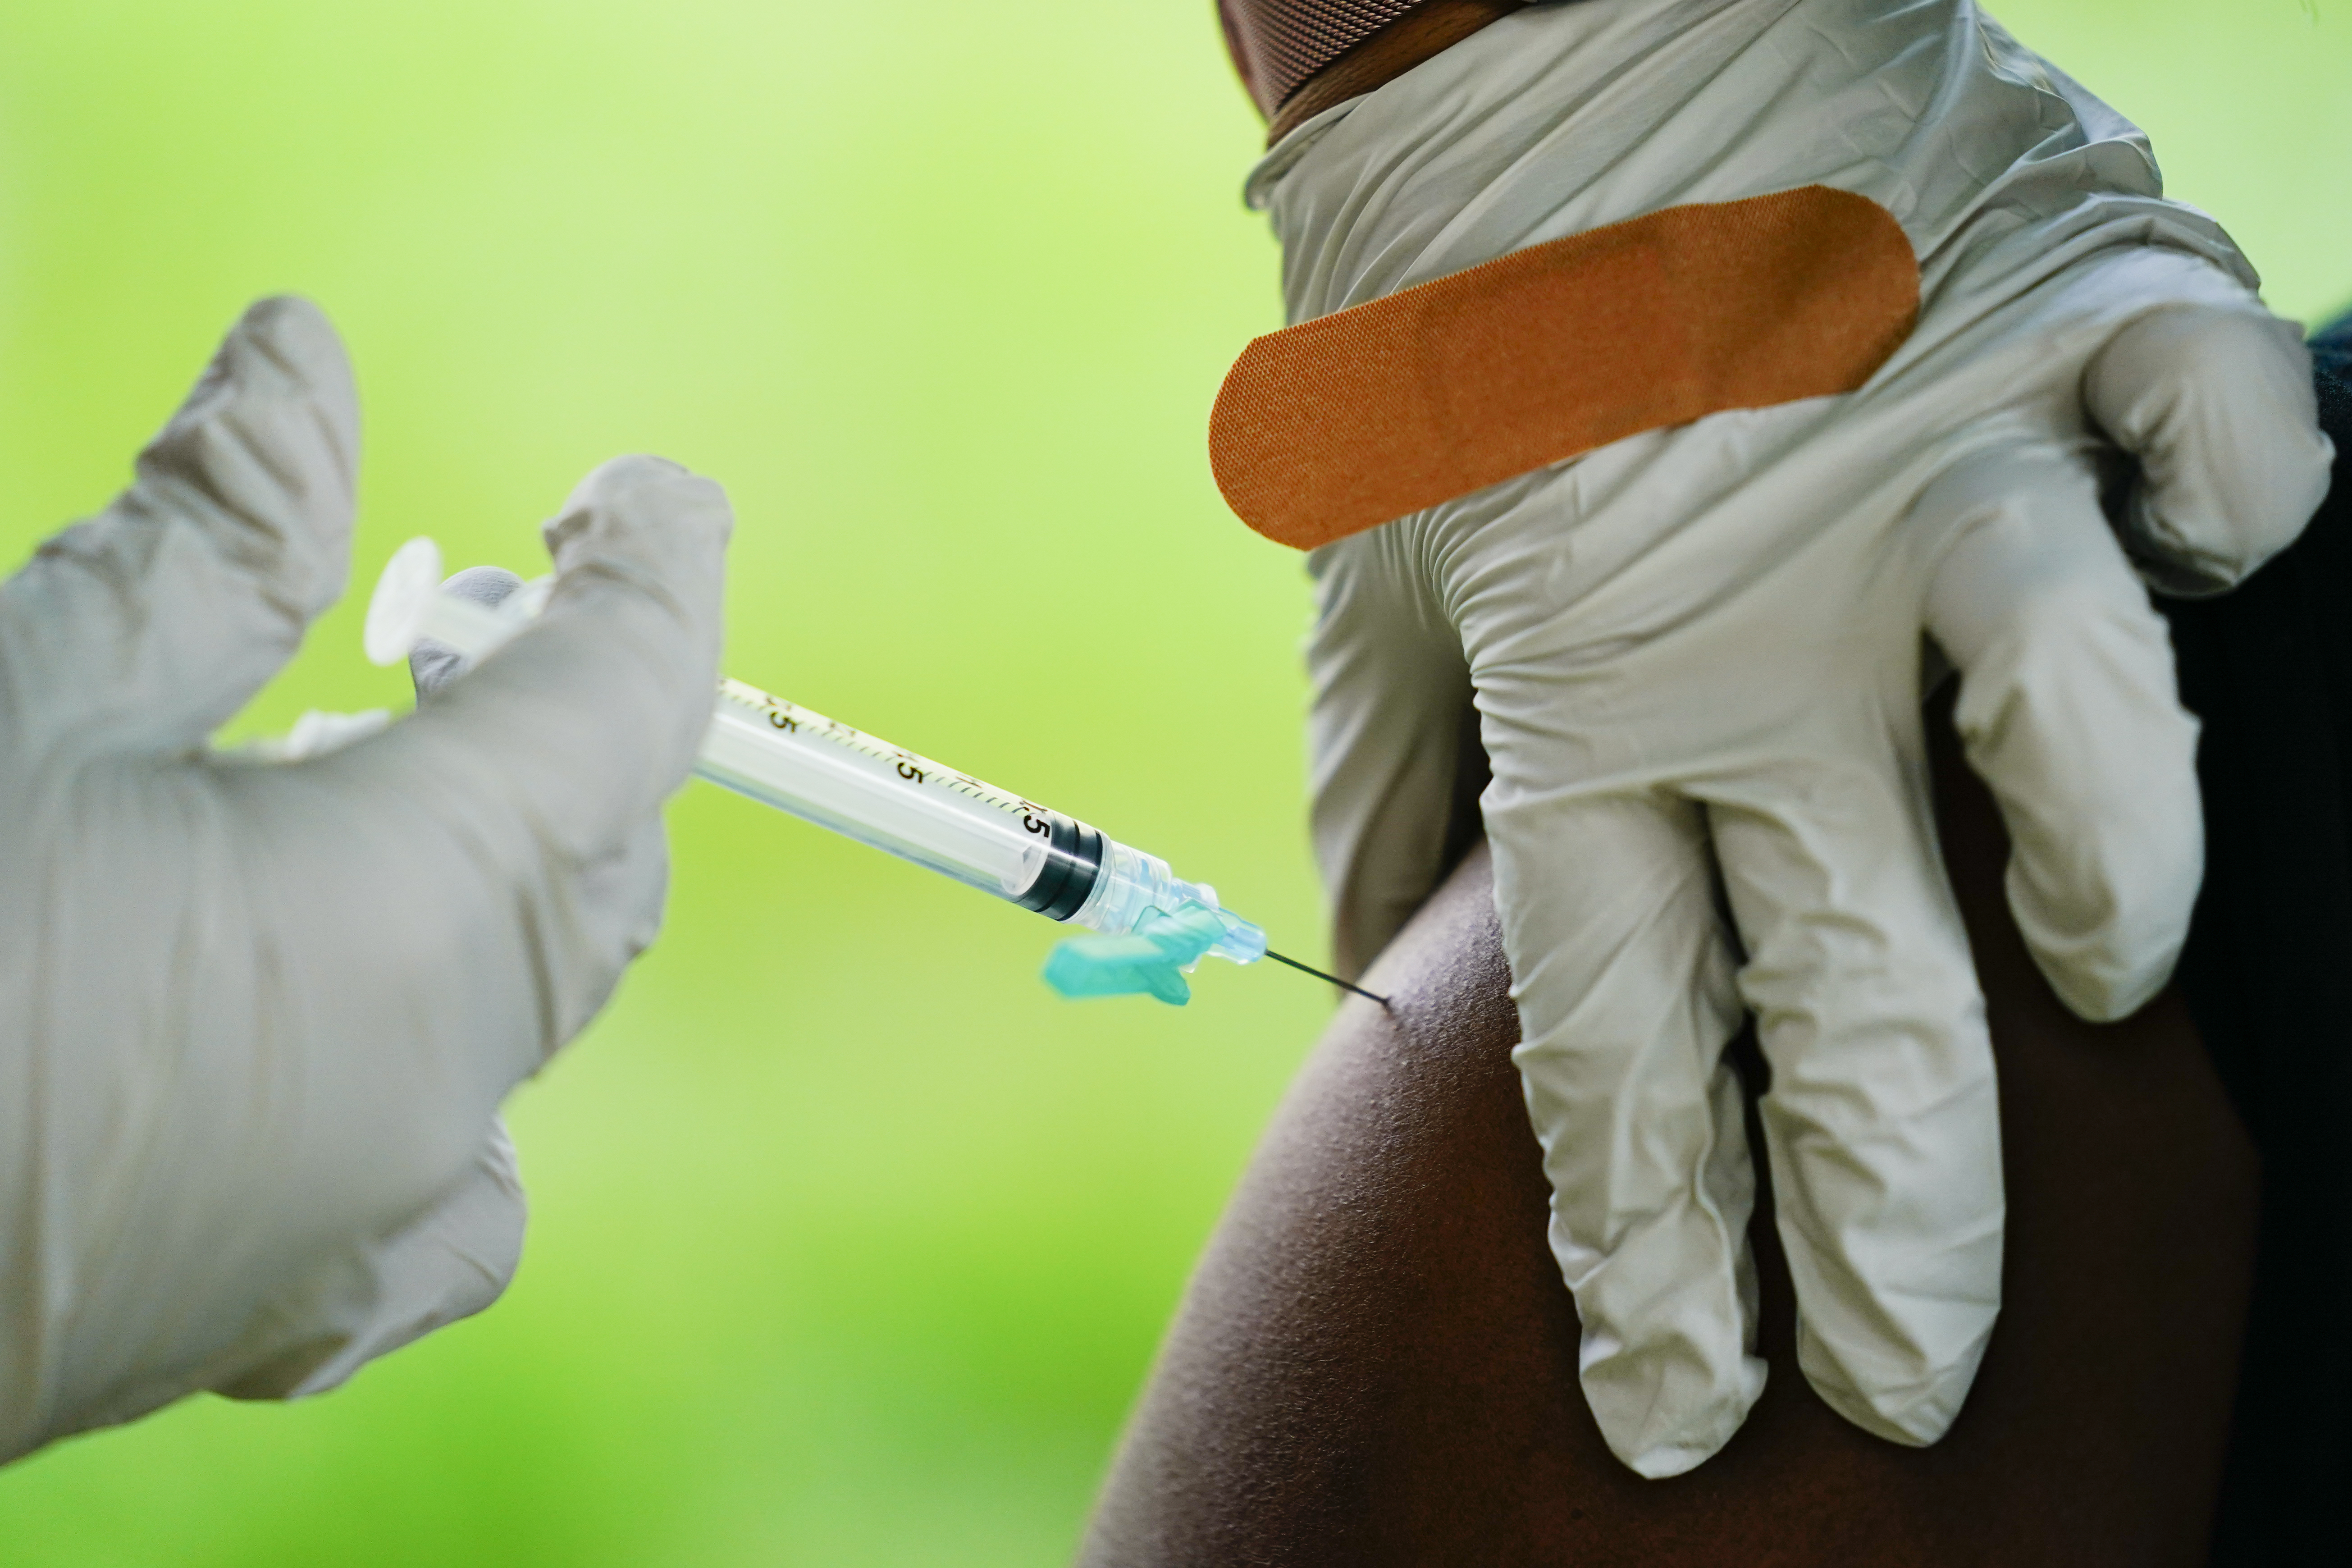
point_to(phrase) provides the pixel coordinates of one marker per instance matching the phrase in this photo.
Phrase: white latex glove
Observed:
(259, 1017)
(1697, 656)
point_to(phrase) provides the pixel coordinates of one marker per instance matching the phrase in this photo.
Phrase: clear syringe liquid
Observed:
(840, 778)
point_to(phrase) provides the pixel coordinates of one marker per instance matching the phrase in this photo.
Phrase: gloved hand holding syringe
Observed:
(1154, 926)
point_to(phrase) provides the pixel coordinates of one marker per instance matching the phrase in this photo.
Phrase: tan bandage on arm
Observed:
(1339, 424)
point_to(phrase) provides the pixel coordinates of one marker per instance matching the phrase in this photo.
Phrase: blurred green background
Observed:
(851, 1243)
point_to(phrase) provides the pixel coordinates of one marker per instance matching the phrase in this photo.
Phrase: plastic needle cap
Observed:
(1151, 961)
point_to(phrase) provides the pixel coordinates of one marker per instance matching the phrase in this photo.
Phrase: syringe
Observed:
(841, 778)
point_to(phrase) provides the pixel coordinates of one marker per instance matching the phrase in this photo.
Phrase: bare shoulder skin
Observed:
(1375, 1364)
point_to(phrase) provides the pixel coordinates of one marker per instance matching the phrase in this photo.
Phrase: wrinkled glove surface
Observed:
(256, 1020)
(1697, 658)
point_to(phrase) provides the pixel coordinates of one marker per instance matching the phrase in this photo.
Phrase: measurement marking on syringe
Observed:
(915, 768)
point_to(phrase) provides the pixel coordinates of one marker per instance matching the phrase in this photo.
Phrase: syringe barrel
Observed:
(824, 771)
(821, 769)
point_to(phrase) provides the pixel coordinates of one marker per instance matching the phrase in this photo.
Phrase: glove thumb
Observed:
(2217, 406)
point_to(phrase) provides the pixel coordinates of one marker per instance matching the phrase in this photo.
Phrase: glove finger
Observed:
(518, 810)
(148, 626)
(569, 738)
(1881, 1120)
(1391, 738)
(2069, 711)
(1625, 1002)
(2217, 407)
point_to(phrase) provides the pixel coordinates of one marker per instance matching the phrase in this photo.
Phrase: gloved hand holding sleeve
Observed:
(260, 1017)
(1697, 656)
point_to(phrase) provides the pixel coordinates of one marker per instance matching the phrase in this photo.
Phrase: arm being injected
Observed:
(1152, 926)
